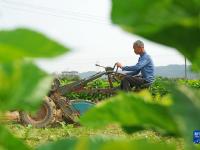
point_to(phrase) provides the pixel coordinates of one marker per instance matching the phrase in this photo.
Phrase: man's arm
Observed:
(136, 69)
(133, 73)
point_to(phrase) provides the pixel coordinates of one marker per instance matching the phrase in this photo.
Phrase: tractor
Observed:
(57, 107)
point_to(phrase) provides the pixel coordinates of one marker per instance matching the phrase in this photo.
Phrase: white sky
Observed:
(85, 27)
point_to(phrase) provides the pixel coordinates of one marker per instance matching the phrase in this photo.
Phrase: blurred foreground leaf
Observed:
(106, 144)
(23, 85)
(21, 43)
(173, 23)
(132, 113)
(9, 142)
(186, 110)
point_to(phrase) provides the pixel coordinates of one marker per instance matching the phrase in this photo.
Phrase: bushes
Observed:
(91, 92)
(191, 83)
(158, 89)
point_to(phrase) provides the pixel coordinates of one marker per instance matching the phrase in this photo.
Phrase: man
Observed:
(144, 65)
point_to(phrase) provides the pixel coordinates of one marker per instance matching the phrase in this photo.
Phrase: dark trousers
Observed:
(128, 82)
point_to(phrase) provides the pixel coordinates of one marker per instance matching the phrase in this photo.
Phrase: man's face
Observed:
(137, 49)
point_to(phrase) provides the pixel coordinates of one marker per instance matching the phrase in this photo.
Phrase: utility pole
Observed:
(185, 68)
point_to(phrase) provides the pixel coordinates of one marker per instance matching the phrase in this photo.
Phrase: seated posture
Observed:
(144, 66)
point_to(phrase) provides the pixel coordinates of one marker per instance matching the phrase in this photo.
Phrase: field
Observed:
(35, 137)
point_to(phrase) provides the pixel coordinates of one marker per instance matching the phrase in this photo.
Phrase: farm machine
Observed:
(57, 107)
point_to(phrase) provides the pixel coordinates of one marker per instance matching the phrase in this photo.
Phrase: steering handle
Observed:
(109, 68)
(99, 66)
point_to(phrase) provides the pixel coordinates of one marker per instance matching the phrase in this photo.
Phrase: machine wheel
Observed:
(43, 117)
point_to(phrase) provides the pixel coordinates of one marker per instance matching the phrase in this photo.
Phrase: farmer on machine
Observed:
(144, 66)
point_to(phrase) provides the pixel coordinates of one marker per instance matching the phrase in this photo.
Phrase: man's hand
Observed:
(119, 65)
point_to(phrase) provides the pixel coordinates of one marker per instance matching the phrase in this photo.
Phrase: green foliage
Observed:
(106, 144)
(191, 83)
(22, 43)
(23, 84)
(186, 110)
(66, 79)
(8, 141)
(98, 83)
(97, 96)
(173, 23)
(38, 136)
(132, 113)
(93, 96)
(158, 88)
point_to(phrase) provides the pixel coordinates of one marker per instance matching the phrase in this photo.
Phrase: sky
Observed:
(85, 27)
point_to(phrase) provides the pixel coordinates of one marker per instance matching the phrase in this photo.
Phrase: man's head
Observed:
(138, 47)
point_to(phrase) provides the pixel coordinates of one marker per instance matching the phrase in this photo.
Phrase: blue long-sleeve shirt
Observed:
(145, 66)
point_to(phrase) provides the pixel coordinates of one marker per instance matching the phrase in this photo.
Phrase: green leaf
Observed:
(131, 111)
(106, 144)
(21, 43)
(186, 110)
(173, 23)
(23, 86)
(9, 142)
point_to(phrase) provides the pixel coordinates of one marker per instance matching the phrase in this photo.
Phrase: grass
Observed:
(35, 136)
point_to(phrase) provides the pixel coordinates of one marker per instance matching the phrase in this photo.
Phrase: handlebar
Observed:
(109, 68)
(100, 66)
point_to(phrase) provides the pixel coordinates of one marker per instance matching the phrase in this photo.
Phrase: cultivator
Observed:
(56, 105)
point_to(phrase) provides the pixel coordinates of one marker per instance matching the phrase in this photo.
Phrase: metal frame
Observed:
(57, 93)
